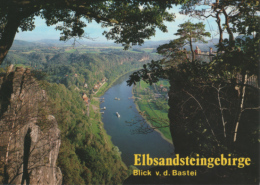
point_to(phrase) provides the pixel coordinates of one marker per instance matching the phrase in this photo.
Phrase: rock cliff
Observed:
(29, 134)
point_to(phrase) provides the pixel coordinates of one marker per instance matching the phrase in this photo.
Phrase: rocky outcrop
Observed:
(29, 135)
(144, 58)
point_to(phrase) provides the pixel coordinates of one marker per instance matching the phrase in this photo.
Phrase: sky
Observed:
(94, 30)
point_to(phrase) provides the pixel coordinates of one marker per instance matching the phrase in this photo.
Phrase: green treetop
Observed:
(190, 33)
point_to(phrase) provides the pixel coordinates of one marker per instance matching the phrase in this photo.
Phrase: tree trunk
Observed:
(241, 105)
(220, 29)
(7, 37)
(230, 33)
(192, 52)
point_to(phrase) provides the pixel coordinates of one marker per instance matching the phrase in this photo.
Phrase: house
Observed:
(85, 98)
(197, 50)
(103, 79)
(96, 86)
(76, 75)
(164, 90)
(86, 85)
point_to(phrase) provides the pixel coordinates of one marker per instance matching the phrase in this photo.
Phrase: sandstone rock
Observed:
(29, 136)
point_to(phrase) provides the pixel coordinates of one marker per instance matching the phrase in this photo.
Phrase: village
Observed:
(95, 89)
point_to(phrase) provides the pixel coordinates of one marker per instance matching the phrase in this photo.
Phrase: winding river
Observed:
(120, 131)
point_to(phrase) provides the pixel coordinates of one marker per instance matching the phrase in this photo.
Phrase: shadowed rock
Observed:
(29, 136)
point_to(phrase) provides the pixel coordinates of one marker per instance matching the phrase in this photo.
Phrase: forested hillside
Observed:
(76, 66)
(86, 155)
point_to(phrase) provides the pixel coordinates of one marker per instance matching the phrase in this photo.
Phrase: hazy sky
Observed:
(94, 30)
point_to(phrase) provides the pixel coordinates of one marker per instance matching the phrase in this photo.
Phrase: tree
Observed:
(239, 16)
(130, 23)
(190, 32)
(173, 52)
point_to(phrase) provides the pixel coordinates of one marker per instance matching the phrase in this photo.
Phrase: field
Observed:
(155, 107)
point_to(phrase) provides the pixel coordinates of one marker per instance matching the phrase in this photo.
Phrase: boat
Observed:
(104, 108)
(118, 98)
(118, 115)
(102, 112)
(115, 98)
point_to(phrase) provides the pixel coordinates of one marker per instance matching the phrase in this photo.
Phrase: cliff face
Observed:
(29, 135)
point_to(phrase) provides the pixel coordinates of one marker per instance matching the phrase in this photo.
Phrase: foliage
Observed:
(83, 158)
(239, 16)
(192, 32)
(189, 33)
(241, 58)
(150, 73)
(58, 67)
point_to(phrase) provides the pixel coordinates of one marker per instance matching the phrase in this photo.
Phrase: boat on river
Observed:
(115, 98)
(118, 115)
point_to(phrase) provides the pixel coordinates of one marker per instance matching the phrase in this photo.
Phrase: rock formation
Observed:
(29, 135)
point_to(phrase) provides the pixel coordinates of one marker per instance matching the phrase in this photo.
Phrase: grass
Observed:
(148, 50)
(28, 52)
(134, 51)
(70, 51)
(155, 116)
(164, 83)
(97, 125)
(145, 85)
(94, 122)
(102, 90)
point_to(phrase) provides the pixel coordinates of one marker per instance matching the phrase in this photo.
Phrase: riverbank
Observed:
(143, 105)
(97, 125)
(151, 125)
(95, 112)
(106, 86)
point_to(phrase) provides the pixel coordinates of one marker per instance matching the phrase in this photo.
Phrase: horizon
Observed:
(94, 30)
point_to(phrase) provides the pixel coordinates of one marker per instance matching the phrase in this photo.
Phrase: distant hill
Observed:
(205, 46)
(202, 46)
(89, 43)
(243, 37)
(23, 43)
(151, 44)
(56, 42)
(49, 42)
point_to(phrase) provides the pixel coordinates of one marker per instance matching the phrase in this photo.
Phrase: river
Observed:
(120, 131)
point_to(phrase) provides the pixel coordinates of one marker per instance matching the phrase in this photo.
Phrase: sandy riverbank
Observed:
(149, 123)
